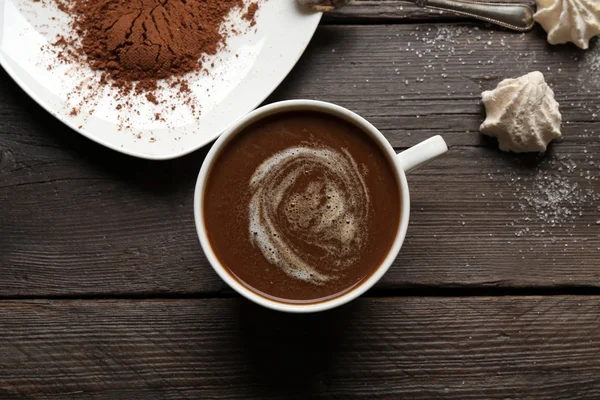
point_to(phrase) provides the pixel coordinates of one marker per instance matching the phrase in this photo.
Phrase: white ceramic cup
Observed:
(404, 162)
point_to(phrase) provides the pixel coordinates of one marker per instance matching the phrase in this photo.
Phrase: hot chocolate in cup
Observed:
(302, 205)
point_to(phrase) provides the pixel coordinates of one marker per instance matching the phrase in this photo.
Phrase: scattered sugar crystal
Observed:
(552, 197)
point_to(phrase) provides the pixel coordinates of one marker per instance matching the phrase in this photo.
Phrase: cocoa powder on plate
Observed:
(250, 15)
(158, 48)
(148, 40)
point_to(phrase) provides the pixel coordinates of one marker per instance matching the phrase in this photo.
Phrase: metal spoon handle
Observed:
(518, 17)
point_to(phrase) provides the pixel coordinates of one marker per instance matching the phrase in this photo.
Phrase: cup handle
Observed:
(422, 153)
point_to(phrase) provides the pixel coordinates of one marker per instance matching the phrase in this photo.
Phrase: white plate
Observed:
(251, 67)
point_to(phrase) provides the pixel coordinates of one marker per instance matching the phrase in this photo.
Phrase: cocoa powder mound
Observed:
(147, 40)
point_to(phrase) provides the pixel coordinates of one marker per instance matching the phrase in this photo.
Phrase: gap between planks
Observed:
(376, 293)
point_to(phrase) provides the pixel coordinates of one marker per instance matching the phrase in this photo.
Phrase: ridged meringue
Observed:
(575, 21)
(522, 113)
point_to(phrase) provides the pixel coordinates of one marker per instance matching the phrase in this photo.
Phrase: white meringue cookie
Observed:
(575, 21)
(522, 113)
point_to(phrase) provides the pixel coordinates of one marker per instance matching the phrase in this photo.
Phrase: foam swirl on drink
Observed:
(309, 212)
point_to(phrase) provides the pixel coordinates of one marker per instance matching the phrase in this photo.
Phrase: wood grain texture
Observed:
(78, 219)
(413, 348)
(394, 11)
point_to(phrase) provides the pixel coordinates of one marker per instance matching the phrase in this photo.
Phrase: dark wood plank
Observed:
(394, 11)
(79, 219)
(412, 81)
(402, 348)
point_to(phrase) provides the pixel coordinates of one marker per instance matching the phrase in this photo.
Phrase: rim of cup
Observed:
(300, 105)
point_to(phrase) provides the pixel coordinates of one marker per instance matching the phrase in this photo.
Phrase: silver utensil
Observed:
(518, 17)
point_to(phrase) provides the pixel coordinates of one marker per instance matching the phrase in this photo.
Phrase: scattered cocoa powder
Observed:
(151, 98)
(250, 15)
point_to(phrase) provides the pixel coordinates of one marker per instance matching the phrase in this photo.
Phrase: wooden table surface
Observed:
(106, 294)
